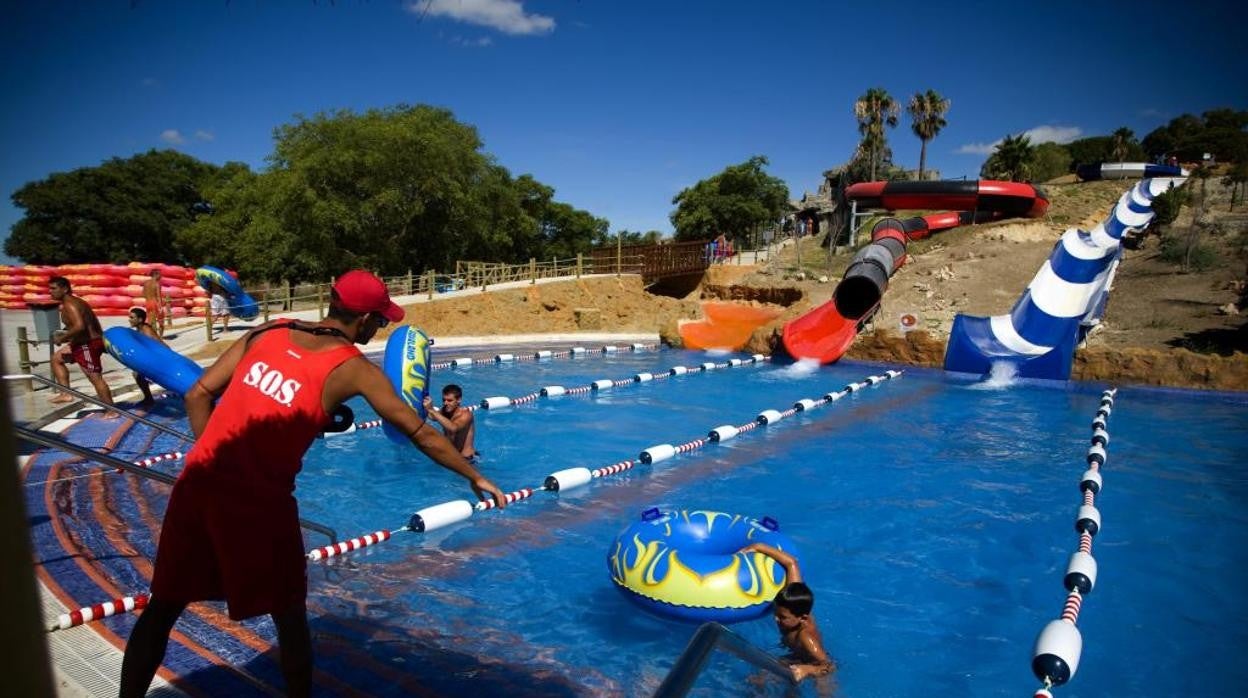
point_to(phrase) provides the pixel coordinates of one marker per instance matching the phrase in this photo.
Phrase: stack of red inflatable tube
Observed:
(110, 289)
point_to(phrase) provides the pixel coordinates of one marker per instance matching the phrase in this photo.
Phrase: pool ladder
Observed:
(708, 638)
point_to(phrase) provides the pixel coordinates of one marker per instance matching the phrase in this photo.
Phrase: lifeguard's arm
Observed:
(787, 561)
(199, 399)
(360, 377)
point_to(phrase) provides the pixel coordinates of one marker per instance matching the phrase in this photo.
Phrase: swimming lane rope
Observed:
(447, 513)
(1056, 655)
(143, 463)
(541, 355)
(494, 403)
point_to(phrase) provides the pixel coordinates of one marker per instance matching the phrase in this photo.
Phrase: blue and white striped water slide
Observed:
(1063, 301)
(1127, 170)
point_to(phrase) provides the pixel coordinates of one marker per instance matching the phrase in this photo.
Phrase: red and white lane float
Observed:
(1055, 657)
(87, 614)
(448, 513)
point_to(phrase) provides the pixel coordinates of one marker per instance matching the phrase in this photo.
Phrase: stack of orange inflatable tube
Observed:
(110, 289)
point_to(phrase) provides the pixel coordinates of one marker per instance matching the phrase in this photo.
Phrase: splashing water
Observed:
(799, 369)
(718, 352)
(1000, 376)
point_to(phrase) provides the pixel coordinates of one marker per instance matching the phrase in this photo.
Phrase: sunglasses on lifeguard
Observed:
(381, 320)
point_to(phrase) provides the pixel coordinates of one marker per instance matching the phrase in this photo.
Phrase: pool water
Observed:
(934, 516)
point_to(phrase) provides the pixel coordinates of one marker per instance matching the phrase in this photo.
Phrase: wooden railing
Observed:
(652, 262)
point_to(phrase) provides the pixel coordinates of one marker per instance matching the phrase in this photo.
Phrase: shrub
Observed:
(1193, 256)
(1166, 205)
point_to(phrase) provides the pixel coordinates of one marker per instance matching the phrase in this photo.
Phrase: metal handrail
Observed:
(43, 438)
(112, 408)
(707, 639)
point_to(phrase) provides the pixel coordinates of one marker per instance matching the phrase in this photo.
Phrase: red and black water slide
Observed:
(970, 201)
(826, 332)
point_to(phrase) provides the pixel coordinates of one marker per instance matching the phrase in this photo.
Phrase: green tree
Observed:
(634, 237)
(1123, 139)
(1051, 160)
(1236, 180)
(1219, 132)
(875, 110)
(123, 210)
(731, 202)
(409, 187)
(1012, 160)
(927, 118)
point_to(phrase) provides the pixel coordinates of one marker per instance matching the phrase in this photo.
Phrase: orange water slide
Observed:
(726, 326)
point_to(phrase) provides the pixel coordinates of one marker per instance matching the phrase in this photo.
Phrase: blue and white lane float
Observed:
(241, 305)
(406, 364)
(688, 565)
(602, 384)
(1055, 657)
(152, 359)
(1040, 332)
(543, 355)
(447, 513)
(499, 402)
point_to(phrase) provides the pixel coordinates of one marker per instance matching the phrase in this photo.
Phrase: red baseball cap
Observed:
(362, 292)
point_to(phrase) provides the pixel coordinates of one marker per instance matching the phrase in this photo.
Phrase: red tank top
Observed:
(269, 414)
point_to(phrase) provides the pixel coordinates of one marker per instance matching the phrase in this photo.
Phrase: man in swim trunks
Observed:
(85, 339)
(154, 302)
(138, 322)
(456, 420)
(231, 528)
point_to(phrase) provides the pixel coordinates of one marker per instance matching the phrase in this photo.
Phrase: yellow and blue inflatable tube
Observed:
(241, 304)
(686, 565)
(406, 364)
(152, 359)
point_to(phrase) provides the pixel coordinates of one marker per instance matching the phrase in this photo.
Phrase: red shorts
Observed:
(155, 311)
(88, 355)
(222, 541)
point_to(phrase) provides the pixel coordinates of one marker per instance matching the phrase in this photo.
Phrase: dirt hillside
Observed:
(1163, 325)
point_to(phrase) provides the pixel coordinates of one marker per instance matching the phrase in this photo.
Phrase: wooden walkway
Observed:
(652, 262)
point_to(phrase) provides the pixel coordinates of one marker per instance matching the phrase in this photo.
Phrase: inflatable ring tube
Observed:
(151, 359)
(406, 364)
(242, 306)
(686, 565)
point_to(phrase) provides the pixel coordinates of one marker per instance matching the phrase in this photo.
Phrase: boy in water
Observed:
(455, 420)
(791, 609)
(138, 322)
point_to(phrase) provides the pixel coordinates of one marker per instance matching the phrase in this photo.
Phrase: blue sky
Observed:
(617, 105)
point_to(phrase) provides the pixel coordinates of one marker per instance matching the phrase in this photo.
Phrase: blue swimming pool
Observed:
(935, 519)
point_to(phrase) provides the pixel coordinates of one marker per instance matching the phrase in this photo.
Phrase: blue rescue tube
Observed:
(242, 305)
(152, 359)
(685, 565)
(406, 364)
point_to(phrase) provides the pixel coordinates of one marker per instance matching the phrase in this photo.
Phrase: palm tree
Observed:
(927, 118)
(1013, 158)
(1123, 138)
(875, 110)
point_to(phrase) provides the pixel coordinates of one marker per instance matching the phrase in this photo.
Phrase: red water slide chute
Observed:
(826, 332)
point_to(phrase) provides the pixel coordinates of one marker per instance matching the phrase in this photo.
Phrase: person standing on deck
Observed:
(231, 528)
